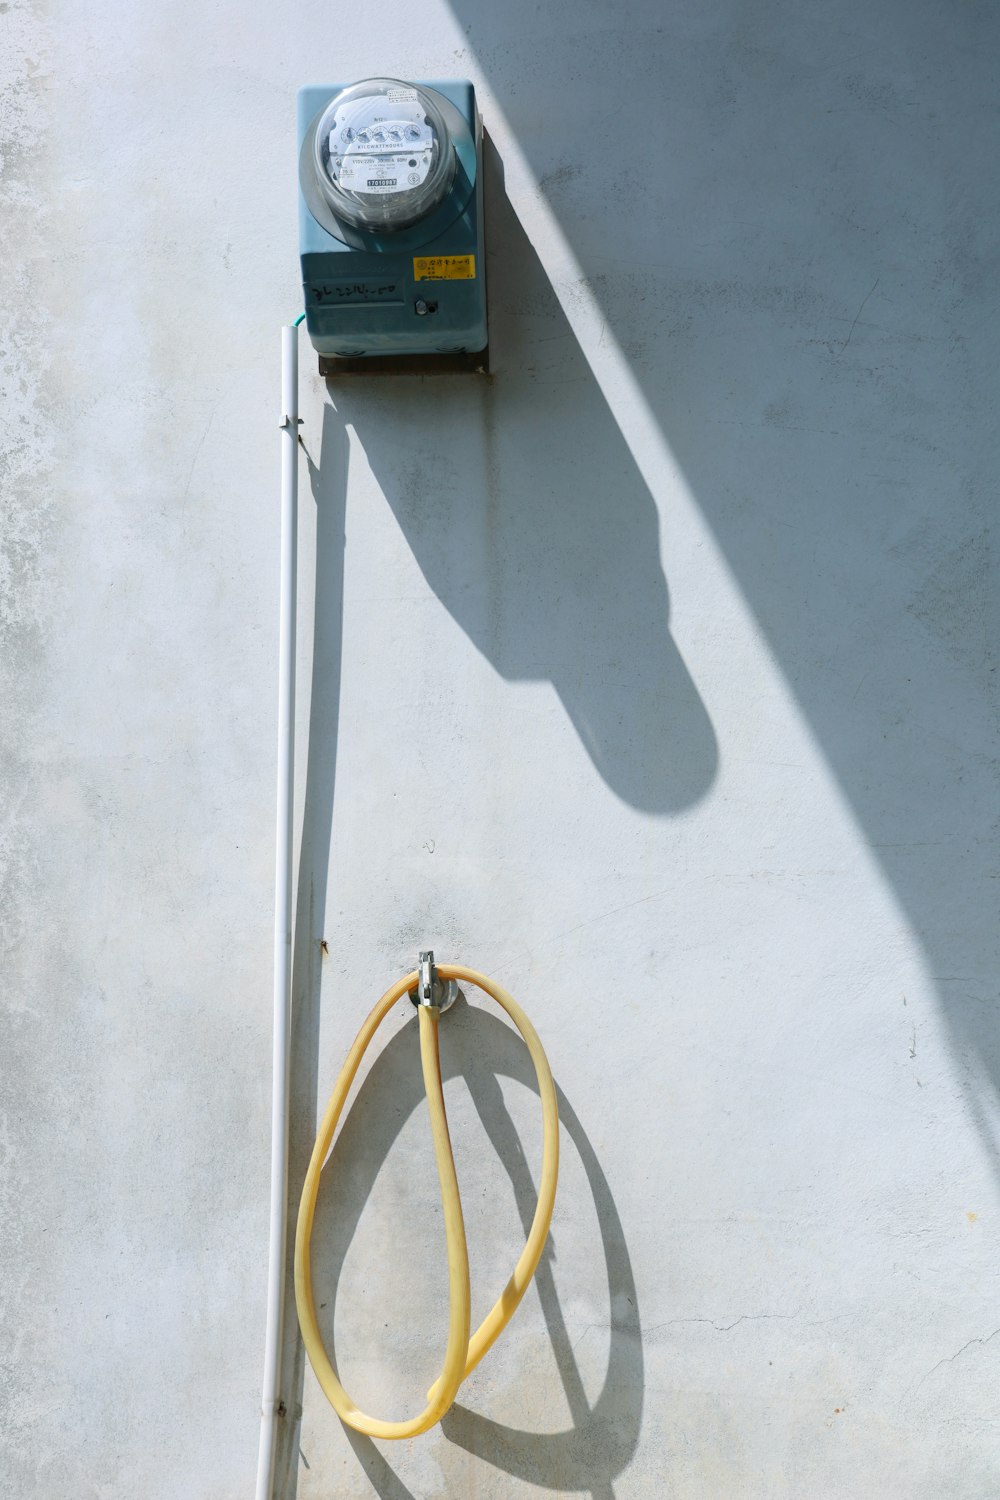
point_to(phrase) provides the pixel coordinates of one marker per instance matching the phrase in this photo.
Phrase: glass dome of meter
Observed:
(383, 154)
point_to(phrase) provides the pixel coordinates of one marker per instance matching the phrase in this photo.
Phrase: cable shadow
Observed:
(328, 483)
(479, 1047)
(545, 550)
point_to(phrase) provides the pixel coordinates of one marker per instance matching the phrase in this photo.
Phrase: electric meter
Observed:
(391, 219)
(383, 155)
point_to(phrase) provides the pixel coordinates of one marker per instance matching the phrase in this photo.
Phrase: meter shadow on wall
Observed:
(585, 1457)
(530, 520)
(804, 282)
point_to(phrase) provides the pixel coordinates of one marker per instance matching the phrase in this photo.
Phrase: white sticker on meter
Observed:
(377, 150)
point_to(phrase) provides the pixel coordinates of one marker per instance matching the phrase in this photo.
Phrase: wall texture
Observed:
(654, 675)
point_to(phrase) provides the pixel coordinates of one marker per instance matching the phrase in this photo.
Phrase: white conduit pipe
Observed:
(271, 1400)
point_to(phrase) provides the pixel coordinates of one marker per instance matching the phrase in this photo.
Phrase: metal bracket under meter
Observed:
(391, 224)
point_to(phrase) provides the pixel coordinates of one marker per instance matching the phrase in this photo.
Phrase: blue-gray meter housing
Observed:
(373, 291)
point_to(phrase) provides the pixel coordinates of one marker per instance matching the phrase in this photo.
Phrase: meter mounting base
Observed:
(332, 366)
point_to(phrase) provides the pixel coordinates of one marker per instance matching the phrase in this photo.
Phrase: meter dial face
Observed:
(383, 154)
(372, 154)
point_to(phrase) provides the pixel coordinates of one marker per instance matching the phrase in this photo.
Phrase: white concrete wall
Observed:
(655, 676)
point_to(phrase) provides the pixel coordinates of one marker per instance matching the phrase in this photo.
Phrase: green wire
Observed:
(298, 320)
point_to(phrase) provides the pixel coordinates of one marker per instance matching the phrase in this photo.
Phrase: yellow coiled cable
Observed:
(462, 1353)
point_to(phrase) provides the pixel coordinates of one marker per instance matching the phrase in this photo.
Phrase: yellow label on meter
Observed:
(444, 267)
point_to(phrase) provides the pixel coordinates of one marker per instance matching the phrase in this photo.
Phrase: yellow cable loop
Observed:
(462, 1354)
